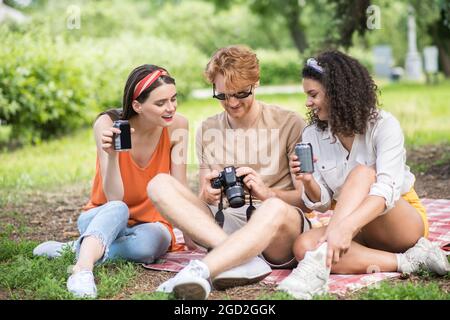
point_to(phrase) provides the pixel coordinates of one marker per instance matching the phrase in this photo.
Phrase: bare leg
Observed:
(396, 231)
(272, 229)
(91, 250)
(356, 187)
(188, 212)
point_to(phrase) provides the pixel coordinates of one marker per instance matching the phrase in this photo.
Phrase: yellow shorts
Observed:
(413, 199)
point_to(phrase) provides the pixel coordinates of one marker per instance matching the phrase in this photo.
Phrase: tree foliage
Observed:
(321, 24)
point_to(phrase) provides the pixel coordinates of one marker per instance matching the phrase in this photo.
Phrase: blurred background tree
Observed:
(326, 24)
(58, 69)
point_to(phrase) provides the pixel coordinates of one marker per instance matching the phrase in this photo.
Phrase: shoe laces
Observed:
(416, 255)
(307, 269)
(195, 268)
(85, 277)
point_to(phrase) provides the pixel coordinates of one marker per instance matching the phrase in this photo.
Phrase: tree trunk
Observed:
(292, 12)
(444, 61)
(440, 34)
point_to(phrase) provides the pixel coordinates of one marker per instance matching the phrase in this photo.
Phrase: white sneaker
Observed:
(82, 284)
(53, 249)
(250, 272)
(310, 277)
(426, 254)
(437, 261)
(167, 286)
(190, 283)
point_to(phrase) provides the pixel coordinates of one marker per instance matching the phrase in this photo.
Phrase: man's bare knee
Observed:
(275, 205)
(158, 186)
(274, 211)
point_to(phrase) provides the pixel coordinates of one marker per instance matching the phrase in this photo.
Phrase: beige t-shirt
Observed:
(265, 147)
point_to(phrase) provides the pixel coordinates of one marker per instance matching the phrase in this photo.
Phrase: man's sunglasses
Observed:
(239, 95)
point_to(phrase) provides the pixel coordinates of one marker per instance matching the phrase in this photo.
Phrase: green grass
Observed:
(50, 164)
(423, 111)
(152, 296)
(280, 295)
(406, 291)
(24, 276)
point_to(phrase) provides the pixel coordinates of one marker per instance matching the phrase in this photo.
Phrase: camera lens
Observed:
(235, 196)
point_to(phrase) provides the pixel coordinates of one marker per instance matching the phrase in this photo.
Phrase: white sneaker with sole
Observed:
(166, 286)
(82, 284)
(425, 254)
(310, 277)
(53, 249)
(190, 283)
(250, 272)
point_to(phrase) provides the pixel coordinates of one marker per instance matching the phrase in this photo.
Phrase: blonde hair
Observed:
(238, 65)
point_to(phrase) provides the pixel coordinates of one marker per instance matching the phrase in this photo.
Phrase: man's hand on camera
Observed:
(253, 182)
(209, 194)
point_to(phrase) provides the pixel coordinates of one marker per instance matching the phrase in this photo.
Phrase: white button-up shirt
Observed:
(382, 146)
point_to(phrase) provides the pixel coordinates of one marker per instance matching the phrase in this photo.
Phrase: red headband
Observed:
(147, 82)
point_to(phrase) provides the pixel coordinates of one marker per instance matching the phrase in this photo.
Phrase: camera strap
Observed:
(250, 208)
(219, 217)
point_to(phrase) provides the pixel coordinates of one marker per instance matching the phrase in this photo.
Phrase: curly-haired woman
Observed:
(360, 171)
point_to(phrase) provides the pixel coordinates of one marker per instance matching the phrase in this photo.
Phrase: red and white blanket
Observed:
(438, 212)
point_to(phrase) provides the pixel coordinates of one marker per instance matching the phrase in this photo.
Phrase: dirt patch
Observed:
(431, 166)
(46, 215)
(148, 280)
(52, 215)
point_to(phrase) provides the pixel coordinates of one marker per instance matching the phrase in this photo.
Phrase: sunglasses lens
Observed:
(242, 95)
(220, 96)
(239, 95)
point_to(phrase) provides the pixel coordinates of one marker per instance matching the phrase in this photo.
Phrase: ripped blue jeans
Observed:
(142, 243)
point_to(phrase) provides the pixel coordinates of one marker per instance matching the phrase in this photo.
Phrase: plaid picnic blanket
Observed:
(438, 217)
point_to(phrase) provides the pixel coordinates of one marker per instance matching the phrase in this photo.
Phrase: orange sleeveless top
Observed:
(135, 180)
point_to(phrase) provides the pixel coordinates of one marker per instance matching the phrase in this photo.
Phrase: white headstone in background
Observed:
(413, 63)
(430, 55)
(382, 61)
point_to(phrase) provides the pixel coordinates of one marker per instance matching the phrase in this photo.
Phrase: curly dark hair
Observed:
(350, 90)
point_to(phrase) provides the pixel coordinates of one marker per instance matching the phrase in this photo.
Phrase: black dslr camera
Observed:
(232, 185)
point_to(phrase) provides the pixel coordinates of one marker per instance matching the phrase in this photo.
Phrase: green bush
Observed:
(57, 86)
(200, 24)
(279, 67)
(47, 91)
(100, 18)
